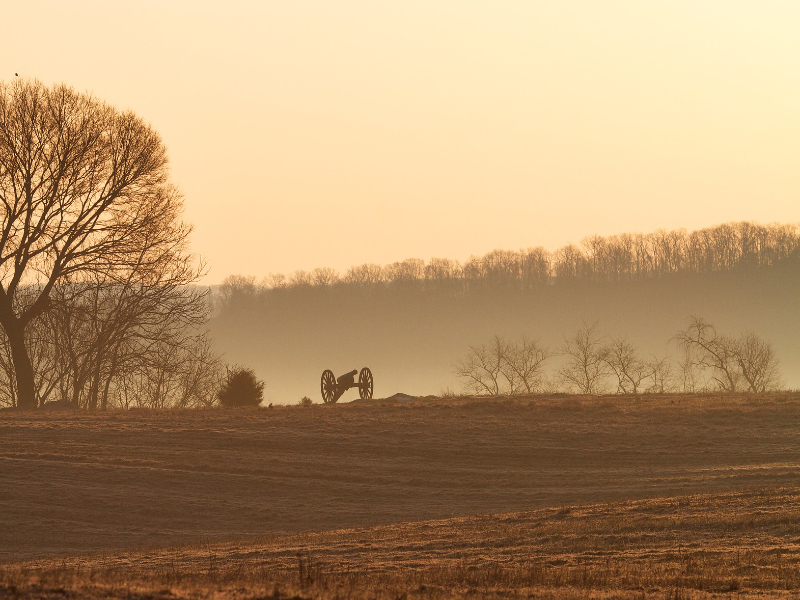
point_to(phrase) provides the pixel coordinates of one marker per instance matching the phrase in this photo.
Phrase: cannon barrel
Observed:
(349, 375)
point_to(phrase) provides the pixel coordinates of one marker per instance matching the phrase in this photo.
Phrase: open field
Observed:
(74, 483)
(708, 545)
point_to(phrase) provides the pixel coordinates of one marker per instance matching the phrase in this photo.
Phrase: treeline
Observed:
(592, 363)
(626, 257)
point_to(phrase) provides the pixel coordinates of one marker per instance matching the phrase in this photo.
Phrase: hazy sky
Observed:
(334, 133)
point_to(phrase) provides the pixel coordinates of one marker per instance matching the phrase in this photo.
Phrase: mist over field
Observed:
(410, 334)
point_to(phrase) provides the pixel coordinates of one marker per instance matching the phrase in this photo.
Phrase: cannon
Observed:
(332, 387)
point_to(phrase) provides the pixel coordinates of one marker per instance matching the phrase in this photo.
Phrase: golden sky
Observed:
(333, 133)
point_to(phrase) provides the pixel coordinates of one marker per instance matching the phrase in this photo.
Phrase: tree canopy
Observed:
(85, 205)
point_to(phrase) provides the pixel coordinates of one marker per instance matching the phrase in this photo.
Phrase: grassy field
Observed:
(610, 495)
(703, 545)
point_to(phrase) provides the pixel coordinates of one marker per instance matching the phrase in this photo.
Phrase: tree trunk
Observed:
(94, 384)
(104, 401)
(111, 373)
(23, 368)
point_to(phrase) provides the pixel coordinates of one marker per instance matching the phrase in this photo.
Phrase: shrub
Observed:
(305, 401)
(241, 387)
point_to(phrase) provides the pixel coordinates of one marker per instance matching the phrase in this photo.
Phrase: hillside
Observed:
(410, 340)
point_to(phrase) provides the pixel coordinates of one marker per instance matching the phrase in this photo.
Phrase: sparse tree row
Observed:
(591, 363)
(96, 302)
(628, 257)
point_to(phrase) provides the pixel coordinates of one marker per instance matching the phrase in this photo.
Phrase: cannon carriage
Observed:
(333, 388)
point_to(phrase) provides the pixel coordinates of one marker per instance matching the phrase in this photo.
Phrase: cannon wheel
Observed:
(365, 384)
(327, 386)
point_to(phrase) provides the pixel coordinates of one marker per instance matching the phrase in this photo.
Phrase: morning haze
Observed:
(416, 321)
(379, 300)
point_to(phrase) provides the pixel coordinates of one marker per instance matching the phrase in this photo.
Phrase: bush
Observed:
(241, 388)
(305, 401)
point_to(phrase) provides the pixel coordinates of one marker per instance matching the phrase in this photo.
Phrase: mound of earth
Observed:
(401, 397)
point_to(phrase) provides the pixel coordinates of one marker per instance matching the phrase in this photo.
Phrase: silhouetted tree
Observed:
(586, 368)
(504, 366)
(710, 350)
(482, 369)
(757, 363)
(659, 376)
(524, 364)
(747, 363)
(406, 273)
(364, 275)
(324, 277)
(241, 387)
(630, 371)
(84, 193)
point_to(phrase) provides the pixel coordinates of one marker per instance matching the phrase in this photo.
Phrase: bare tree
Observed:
(690, 376)
(408, 273)
(504, 367)
(81, 185)
(586, 369)
(167, 376)
(482, 369)
(747, 363)
(364, 275)
(627, 367)
(757, 363)
(301, 279)
(103, 329)
(659, 376)
(524, 364)
(237, 293)
(712, 351)
(324, 276)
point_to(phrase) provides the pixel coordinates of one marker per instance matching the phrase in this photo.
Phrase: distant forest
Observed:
(625, 257)
(412, 321)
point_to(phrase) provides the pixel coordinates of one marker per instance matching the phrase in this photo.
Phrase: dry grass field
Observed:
(674, 496)
(706, 545)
